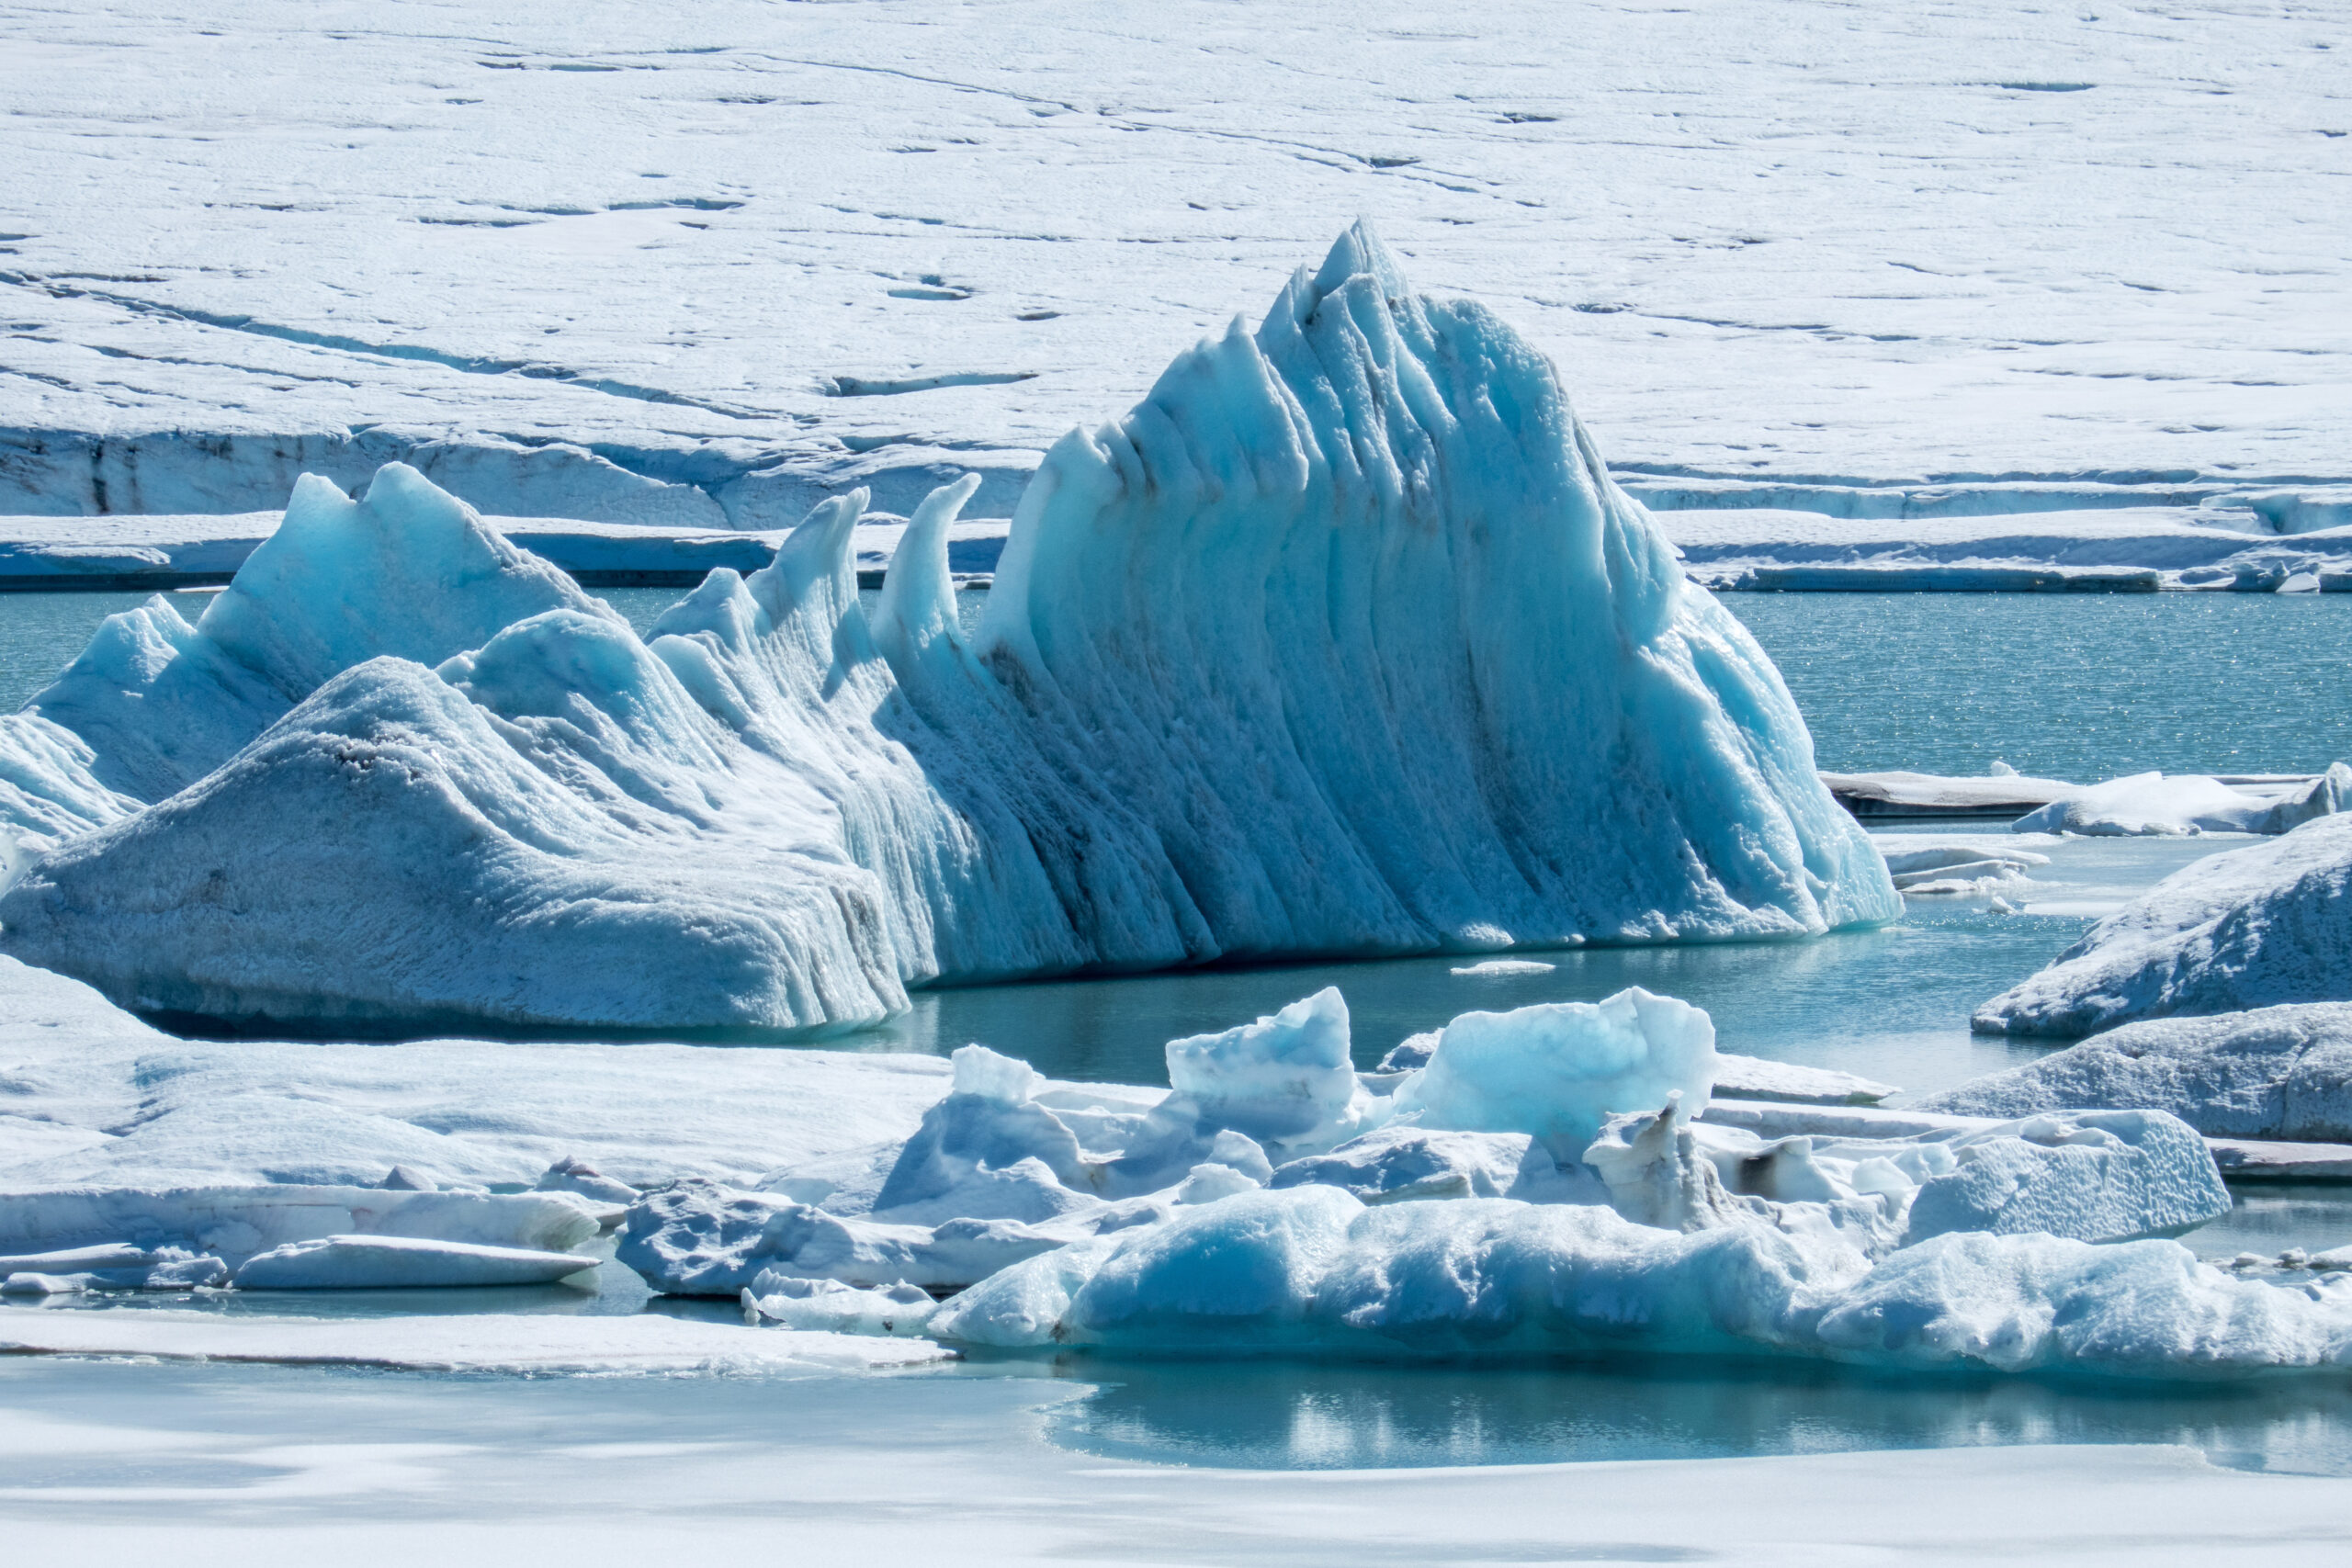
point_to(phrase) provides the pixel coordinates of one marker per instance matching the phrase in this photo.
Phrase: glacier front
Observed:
(1341, 641)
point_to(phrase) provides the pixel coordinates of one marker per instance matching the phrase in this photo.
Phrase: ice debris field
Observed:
(1243, 648)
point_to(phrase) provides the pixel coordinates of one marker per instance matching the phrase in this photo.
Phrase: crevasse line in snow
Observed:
(1341, 642)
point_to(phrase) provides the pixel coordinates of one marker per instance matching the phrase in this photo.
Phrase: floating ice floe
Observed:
(218, 1229)
(1965, 870)
(2183, 805)
(1342, 641)
(2153, 803)
(2276, 1072)
(1752, 1077)
(375, 1262)
(2248, 927)
(114, 1266)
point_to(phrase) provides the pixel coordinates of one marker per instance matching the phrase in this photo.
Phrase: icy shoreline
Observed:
(1734, 549)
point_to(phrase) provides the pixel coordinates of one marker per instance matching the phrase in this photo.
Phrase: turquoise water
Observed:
(2069, 686)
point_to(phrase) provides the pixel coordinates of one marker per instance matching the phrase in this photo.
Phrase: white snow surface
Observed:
(2275, 1072)
(2248, 927)
(1998, 538)
(1948, 239)
(1260, 675)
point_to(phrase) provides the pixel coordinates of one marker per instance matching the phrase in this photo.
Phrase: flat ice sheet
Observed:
(483, 1342)
(269, 1466)
(100, 1098)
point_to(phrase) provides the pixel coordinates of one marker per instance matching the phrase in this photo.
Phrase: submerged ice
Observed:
(1341, 641)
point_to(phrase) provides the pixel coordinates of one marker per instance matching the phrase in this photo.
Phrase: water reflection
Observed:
(1284, 1416)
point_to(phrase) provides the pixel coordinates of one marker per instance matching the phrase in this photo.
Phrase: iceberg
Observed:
(2277, 1072)
(2267, 924)
(1342, 641)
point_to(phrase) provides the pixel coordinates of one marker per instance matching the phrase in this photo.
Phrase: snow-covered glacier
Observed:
(1341, 642)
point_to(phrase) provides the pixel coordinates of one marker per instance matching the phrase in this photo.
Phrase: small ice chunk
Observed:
(375, 1262)
(1207, 1183)
(572, 1174)
(1241, 1151)
(32, 1284)
(1558, 1070)
(408, 1178)
(1285, 1079)
(1501, 966)
(989, 1075)
(885, 1311)
(1413, 1051)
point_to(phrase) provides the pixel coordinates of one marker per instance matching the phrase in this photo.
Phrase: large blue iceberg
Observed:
(1342, 642)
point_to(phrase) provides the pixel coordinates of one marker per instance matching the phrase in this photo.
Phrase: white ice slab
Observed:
(375, 1262)
(478, 1342)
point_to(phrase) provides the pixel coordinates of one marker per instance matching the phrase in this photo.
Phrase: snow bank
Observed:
(1311, 1270)
(1558, 1070)
(2276, 1072)
(1262, 675)
(2248, 927)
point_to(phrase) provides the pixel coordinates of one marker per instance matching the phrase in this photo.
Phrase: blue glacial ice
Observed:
(1341, 642)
